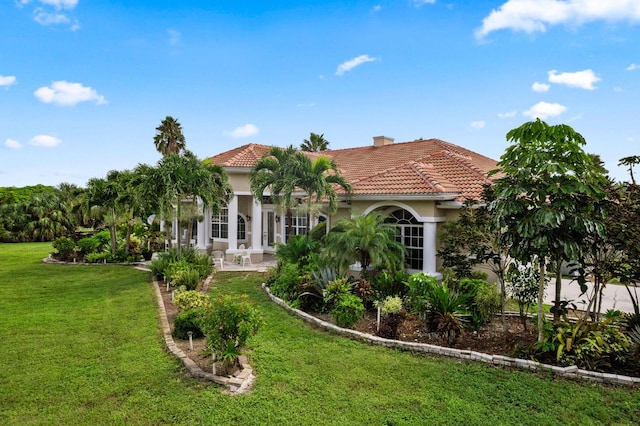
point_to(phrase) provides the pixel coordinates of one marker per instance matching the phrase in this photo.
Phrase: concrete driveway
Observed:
(615, 295)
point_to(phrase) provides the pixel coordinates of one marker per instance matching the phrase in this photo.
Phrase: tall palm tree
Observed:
(319, 180)
(278, 171)
(315, 143)
(367, 240)
(169, 138)
(184, 179)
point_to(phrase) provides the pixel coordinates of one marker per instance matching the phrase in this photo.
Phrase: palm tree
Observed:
(49, 217)
(315, 143)
(367, 240)
(320, 179)
(169, 138)
(279, 172)
(632, 160)
(180, 179)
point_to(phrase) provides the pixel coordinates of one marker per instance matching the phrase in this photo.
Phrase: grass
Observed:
(81, 345)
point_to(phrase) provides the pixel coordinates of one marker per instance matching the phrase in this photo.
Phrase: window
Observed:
(220, 226)
(411, 235)
(242, 228)
(298, 225)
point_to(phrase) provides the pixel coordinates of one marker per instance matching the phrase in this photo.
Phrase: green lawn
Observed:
(81, 345)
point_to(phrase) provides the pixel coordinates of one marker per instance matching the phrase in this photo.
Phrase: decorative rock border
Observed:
(569, 372)
(238, 383)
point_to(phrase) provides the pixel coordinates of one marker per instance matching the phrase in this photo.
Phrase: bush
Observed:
(392, 316)
(186, 276)
(228, 323)
(88, 245)
(487, 301)
(187, 321)
(98, 257)
(348, 311)
(284, 285)
(336, 291)
(190, 299)
(419, 285)
(318, 232)
(64, 249)
(390, 284)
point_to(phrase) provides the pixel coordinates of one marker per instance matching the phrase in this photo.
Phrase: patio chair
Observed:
(218, 257)
(246, 257)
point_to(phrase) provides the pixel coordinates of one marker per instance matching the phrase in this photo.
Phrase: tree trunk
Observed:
(503, 301)
(556, 302)
(540, 302)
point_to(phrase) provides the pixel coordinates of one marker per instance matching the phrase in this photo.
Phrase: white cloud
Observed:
(60, 4)
(418, 3)
(243, 131)
(581, 79)
(532, 16)
(46, 18)
(509, 114)
(540, 87)
(309, 105)
(45, 140)
(617, 89)
(352, 63)
(478, 124)
(13, 144)
(174, 37)
(633, 67)
(376, 8)
(7, 80)
(543, 110)
(65, 93)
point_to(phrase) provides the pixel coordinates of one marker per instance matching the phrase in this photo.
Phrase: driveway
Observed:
(615, 295)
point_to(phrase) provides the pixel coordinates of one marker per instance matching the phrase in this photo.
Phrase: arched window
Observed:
(242, 228)
(411, 235)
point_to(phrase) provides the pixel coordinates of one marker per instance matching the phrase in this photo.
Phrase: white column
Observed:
(233, 223)
(429, 249)
(256, 224)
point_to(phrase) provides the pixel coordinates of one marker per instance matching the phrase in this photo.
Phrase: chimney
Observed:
(382, 141)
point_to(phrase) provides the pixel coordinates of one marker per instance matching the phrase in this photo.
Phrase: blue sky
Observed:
(83, 85)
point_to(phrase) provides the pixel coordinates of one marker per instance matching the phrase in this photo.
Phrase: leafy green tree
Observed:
(315, 143)
(545, 198)
(103, 199)
(367, 240)
(169, 138)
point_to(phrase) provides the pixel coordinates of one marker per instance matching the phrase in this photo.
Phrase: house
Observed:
(419, 185)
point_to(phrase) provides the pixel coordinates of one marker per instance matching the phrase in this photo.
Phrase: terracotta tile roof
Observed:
(421, 167)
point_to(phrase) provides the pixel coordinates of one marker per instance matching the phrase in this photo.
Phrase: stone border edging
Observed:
(569, 372)
(239, 383)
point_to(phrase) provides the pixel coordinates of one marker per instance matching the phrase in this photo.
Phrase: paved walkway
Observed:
(615, 295)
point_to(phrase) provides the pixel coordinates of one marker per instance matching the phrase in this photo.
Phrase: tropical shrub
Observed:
(227, 324)
(389, 284)
(347, 311)
(392, 315)
(190, 299)
(318, 232)
(89, 245)
(285, 284)
(336, 291)
(591, 345)
(364, 291)
(419, 284)
(298, 249)
(445, 308)
(487, 301)
(187, 321)
(186, 276)
(64, 249)
(98, 257)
